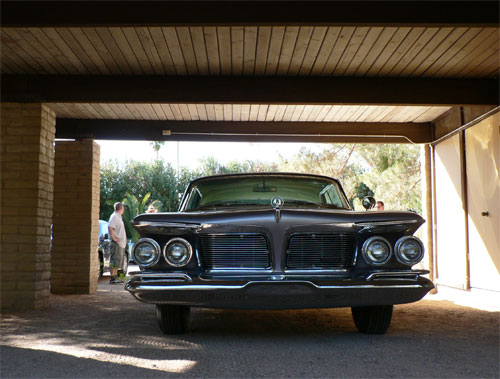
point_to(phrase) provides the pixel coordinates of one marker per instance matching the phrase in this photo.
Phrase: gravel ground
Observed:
(110, 334)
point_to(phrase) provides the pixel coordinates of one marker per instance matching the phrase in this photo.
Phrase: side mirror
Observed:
(368, 202)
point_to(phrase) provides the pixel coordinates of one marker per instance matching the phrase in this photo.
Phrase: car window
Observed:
(257, 191)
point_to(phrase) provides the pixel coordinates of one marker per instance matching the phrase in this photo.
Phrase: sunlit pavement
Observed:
(110, 334)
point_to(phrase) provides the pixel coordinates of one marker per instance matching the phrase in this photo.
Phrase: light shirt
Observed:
(116, 222)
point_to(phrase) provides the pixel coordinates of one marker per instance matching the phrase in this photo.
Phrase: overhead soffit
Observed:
(458, 50)
(250, 112)
(442, 52)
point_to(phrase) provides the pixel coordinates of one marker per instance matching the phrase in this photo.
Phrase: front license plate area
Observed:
(283, 289)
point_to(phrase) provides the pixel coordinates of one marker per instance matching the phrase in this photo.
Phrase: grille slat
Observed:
(234, 251)
(320, 251)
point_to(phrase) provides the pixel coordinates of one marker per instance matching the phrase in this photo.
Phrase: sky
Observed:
(189, 154)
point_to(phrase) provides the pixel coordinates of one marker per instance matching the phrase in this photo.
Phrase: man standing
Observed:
(118, 242)
(379, 206)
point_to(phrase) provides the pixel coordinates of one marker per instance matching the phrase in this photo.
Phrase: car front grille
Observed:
(320, 251)
(247, 251)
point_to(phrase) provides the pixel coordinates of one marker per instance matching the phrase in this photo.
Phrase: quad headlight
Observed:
(409, 250)
(146, 252)
(178, 252)
(376, 250)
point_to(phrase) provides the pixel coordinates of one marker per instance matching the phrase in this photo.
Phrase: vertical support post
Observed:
(76, 217)
(27, 171)
(429, 209)
(434, 217)
(465, 201)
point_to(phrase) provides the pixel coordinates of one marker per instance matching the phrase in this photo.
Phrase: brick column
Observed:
(27, 173)
(76, 217)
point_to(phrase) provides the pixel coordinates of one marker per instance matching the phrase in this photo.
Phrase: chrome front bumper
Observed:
(279, 291)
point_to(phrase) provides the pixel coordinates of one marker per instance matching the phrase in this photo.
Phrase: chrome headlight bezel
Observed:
(400, 257)
(366, 255)
(186, 244)
(157, 251)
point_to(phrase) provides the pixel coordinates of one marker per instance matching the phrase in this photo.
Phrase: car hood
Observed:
(286, 218)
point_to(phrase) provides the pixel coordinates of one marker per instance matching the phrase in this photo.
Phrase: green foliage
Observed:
(390, 173)
(210, 166)
(138, 178)
(133, 207)
(157, 145)
(140, 184)
(394, 175)
(362, 190)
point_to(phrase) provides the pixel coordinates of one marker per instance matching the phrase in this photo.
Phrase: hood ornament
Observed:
(277, 203)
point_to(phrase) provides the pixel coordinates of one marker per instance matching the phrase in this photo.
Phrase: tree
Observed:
(138, 178)
(161, 181)
(336, 161)
(394, 176)
(389, 172)
(133, 207)
(157, 145)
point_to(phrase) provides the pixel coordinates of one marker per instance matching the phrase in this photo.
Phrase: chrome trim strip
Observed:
(239, 287)
(383, 223)
(232, 270)
(312, 271)
(392, 274)
(168, 224)
(166, 276)
(197, 253)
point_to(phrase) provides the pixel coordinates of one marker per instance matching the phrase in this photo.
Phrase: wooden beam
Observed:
(454, 121)
(243, 131)
(181, 13)
(249, 90)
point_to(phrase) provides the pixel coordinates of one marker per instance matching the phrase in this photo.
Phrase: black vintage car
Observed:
(276, 241)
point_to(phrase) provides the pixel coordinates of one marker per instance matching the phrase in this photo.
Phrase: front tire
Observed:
(372, 320)
(172, 319)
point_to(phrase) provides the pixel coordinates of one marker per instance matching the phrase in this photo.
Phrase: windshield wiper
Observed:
(310, 203)
(216, 204)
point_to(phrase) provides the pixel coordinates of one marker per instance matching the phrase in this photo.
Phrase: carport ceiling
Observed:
(190, 70)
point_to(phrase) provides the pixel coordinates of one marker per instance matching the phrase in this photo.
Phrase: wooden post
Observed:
(429, 209)
(465, 200)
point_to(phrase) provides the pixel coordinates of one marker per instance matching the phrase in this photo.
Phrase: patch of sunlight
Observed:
(155, 342)
(164, 343)
(166, 365)
(479, 299)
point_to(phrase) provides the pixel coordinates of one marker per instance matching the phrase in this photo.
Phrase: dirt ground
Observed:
(110, 334)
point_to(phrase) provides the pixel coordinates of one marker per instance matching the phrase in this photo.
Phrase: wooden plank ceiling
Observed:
(250, 112)
(457, 52)
(369, 50)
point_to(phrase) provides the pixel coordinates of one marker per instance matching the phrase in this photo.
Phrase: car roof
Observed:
(291, 174)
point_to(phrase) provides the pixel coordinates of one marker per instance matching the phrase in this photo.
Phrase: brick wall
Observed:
(27, 169)
(76, 217)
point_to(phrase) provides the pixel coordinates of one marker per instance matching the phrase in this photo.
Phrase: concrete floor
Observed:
(110, 334)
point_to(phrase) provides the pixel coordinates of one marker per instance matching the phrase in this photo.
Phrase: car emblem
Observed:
(277, 203)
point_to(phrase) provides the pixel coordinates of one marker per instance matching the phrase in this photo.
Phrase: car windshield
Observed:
(258, 191)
